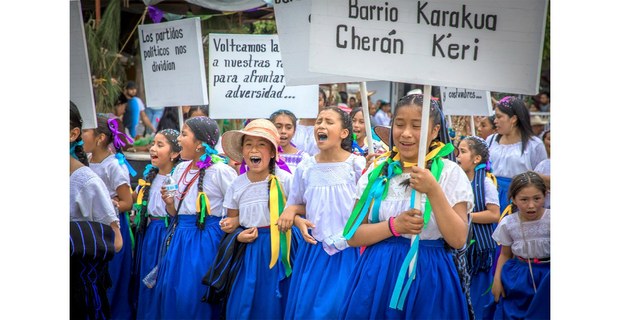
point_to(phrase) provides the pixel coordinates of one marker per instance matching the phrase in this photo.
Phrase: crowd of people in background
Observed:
(293, 218)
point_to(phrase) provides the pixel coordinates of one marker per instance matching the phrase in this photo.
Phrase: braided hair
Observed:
(480, 254)
(523, 180)
(205, 130)
(75, 121)
(150, 174)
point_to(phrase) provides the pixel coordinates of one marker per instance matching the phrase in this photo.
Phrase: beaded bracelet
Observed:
(391, 226)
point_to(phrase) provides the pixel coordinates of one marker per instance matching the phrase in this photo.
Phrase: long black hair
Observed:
(75, 121)
(512, 106)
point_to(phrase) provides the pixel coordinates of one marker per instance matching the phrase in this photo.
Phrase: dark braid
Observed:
(143, 213)
(75, 120)
(201, 226)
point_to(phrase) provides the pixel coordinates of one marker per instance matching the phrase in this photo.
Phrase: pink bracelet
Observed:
(392, 229)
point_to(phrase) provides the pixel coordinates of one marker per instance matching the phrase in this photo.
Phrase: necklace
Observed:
(183, 181)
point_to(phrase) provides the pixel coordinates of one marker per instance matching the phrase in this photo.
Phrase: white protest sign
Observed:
(173, 63)
(465, 102)
(80, 83)
(479, 44)
(293, 22)
(246, 79)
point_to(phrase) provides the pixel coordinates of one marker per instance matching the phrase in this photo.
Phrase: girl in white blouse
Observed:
(523, 268)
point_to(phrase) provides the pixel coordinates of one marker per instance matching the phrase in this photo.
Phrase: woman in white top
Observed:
(515, 148)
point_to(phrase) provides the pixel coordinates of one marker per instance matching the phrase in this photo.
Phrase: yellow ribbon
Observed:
(274, 213)
(200, 206)
(142, 184)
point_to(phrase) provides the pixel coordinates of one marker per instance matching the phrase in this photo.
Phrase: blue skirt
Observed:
(318, 282)
(503, 184)
(179, 287)
(147, 255)
(258, 292)
(120, 274)
(434, 294)
(519, 289)
(480, 283)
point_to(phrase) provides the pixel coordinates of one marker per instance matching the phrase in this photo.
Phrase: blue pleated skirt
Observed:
(258, 292)
(480, 283)
(434, 294)
(179, 287)
(318, 282)
(147, 255)
(120, 274)
(503, 184)
(519, 290)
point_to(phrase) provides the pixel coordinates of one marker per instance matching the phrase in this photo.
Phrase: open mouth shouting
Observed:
(256, 160)
(321, 136)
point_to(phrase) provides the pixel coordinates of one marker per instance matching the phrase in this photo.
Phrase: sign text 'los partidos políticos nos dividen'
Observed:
(348, 37)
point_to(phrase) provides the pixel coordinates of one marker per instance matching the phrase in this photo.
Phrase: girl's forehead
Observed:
(283, 118)
(329, 114)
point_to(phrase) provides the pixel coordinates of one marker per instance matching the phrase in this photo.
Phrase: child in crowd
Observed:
(486, 127)
(323, 188)
(108, 162)
(514, 148)
(387, 221)
(544, 167)
(360, 138)
(522, 276)
(286, 123)
(474, 160)
(304, 131)
(194, 233)
(151, 217)
(89, 202)
(256, 199)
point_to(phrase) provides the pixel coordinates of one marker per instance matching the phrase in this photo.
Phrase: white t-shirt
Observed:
(304, 139)
(216, 180)
(156, 205)
(252, 198)
(544, 167)
(89, 198)
(453, 182)
(537, 242)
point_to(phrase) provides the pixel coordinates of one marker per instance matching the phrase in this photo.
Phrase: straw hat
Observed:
(384, 134)
(263, 128)
(537, 121)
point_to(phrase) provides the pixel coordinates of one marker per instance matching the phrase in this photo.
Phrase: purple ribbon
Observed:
(118, 142)
(281, 164)
(155, 14)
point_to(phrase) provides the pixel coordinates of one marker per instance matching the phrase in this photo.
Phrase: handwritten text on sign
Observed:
(173, 63)
(466, 102)
(480, 44)
(246, 79)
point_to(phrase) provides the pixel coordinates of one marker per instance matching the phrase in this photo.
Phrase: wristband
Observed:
(392, 229)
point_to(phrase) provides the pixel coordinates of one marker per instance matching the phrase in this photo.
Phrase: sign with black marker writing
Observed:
(479, 44)
(293, 21)
(246, 79)
(466, 102)
(173, 63)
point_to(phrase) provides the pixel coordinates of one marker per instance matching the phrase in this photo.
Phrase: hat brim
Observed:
(232, 143)
(384, 134)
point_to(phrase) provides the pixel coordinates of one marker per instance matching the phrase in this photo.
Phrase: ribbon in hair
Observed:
(116, 134)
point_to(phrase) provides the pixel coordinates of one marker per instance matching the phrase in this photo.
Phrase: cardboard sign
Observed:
(479, 44)
(293, 22)
(246, 79)
(81, 84)
(173, 63)
(466, 102)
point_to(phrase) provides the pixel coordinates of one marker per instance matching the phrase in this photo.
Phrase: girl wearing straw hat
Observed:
(256, 198)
